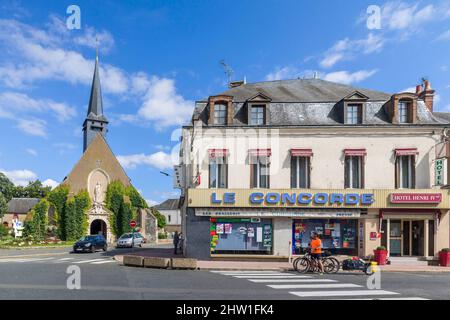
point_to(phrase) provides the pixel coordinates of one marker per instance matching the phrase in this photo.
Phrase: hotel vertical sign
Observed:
(440, 172)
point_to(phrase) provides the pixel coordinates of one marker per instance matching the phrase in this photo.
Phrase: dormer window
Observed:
(220, 114)
(258, 115)
(354, 113)
(404, 111)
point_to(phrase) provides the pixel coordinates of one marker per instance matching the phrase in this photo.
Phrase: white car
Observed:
(128, 241)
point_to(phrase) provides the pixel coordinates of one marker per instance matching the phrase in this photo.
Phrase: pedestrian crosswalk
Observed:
(314, 287)
(57, 260)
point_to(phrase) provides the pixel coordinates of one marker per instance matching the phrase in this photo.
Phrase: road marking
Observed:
(274, 277)
(243, 272)
(290, 280)
(254, 274)
(305, 294)
(87, 261)
(314, 286)
(102, 262)
(404, 298)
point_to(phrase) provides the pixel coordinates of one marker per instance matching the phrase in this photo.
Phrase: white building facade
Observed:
(267, 164)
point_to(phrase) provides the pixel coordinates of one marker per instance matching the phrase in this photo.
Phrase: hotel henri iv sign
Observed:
(415, 198)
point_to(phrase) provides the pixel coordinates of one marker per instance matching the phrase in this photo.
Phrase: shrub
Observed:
(445, 250)
(162, 235)
(381, 248)
(3, 231)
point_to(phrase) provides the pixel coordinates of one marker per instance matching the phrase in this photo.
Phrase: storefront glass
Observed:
(241, 236)
(338, 236)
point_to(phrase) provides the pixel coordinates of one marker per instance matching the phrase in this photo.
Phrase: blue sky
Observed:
(158, 57)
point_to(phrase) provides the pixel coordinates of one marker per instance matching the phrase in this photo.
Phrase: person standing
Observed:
(176, 241)
(316, 250)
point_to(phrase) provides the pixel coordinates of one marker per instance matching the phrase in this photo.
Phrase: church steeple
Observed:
(95, 121)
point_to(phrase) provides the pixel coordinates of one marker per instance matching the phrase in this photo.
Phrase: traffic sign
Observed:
(133, 223)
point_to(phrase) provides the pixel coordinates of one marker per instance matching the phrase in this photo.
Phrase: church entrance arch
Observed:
(98, 226)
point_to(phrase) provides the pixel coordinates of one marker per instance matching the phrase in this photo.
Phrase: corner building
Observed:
(266, 164)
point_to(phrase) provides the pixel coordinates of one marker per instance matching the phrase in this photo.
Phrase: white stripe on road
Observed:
(87, 261)
(405, 298)
(290, 280)
(243, 272)
(274, 277)
(314, 286)
(257, 274)
(102, 262)
(305, 294)
(65, 259)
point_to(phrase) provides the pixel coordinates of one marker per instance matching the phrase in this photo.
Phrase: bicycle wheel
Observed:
(328, 265)
(337, 264)
(301, 265)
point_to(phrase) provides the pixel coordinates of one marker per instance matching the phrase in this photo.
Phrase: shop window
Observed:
(258, 115)
(220, 114)
(218, 173)
(405, 172)
(260, 172)
(300, 172)
(354, 172)
(241, 236)
(339, 236)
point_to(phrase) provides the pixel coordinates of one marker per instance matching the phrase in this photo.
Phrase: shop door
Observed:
(406, 237)
(395, 242)
(417, 234)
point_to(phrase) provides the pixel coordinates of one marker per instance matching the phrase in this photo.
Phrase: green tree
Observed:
(34, 189)
(58, 198)
(6, 187)
(75, 216)
(3, 205)
(160, 217)
(38, 224)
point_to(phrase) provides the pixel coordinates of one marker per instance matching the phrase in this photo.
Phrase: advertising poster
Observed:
(219, 228)
(251, 232)
(228, 228)
(259, 234)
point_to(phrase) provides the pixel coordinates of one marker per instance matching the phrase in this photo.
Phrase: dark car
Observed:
(90, 244)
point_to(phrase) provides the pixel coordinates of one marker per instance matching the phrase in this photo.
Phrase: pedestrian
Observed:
(316, 250)
(181, 242)
(176, 241)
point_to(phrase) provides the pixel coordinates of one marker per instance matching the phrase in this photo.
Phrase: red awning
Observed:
(355, 152)
(301, 153)
(218, 153)
(260, 152)
(406, 152)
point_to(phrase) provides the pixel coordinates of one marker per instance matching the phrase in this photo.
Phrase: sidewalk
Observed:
(269, 266)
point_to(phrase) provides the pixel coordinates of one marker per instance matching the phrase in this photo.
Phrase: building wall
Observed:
(174, 214)
(327, 164)
(198, 242)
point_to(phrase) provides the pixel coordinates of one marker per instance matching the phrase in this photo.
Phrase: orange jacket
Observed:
(316, 246)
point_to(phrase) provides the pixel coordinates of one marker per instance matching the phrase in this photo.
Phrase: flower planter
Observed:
(380, 256)
(444, 258)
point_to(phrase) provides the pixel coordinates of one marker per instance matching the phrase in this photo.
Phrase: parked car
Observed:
(127, 241)
(90, 244)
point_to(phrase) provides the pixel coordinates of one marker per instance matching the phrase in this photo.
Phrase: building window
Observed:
(354, 114)
(354, 172)
(258, 115)
(405, 168)
(260, 173)
(403, 112)
(300, 172)
(220, 114)
(218, 173)
(169, 218)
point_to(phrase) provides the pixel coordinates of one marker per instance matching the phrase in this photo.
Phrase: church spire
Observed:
(95, 121)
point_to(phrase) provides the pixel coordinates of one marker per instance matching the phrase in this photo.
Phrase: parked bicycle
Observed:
(308, 264)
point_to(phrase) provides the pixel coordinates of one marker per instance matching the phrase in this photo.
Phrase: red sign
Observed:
(416, 198)
(133, 223)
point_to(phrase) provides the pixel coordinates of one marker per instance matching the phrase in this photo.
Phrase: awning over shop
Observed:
(406, 152)
(355, 152)
(301, 153)
(260, 152)
(218, 153)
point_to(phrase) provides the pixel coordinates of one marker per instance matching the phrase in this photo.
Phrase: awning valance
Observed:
(406, 152)
(260, 152)
(355, 152)
(301, 153)
(218, 153)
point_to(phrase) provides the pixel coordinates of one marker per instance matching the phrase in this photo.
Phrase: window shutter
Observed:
(397, 173)
(413, 173)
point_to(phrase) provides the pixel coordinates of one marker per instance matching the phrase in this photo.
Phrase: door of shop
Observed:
(408, 237)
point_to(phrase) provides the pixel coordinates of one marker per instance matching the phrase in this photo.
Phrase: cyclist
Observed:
(316, 250)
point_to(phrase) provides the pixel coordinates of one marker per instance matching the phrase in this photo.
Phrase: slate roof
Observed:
(21, 205)
(169, 204)
(95, 109)
(313, 102)
(300, 90)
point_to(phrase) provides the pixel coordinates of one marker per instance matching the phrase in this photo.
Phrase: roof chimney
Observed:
(419, 89)
(234, 84)
(427, 95)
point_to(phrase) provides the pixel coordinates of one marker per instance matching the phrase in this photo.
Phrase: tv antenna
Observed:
(228, 71)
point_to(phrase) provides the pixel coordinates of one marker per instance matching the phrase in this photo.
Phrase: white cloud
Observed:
(159, 160)
(31, 152)
(20, 177)
(398, 15)
(347, 49)
(163, 105)
(50, 183)
(346, 77)
(34, 127)
(151, 203)
(282, 74)
(444, 36)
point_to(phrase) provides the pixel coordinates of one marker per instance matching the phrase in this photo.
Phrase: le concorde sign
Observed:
(416, 198)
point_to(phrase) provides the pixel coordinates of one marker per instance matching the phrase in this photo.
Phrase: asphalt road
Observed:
(42, 274)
